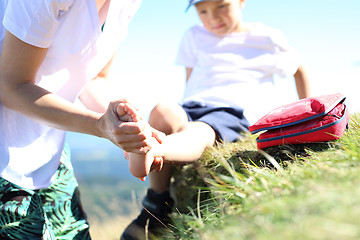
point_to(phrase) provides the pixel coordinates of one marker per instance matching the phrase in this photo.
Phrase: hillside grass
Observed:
(289, 192)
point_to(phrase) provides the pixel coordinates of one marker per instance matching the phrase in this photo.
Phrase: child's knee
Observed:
(168, 118)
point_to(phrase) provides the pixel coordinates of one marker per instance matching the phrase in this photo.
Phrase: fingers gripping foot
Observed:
(139, 164)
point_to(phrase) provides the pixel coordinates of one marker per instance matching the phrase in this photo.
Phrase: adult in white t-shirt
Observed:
(50, 50)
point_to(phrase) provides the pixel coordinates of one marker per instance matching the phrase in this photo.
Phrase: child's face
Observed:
(221, 17)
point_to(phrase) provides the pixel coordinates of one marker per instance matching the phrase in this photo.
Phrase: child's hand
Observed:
(157, 164)
(159, 136)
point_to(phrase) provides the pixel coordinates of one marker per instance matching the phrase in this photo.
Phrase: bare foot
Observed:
(127, 113)
(139, 163)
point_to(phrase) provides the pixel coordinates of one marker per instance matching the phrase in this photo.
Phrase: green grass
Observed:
(289, 192)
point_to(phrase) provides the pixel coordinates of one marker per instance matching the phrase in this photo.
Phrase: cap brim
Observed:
(195, 2)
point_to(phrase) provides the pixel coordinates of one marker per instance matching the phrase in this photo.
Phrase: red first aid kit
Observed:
(315, 119)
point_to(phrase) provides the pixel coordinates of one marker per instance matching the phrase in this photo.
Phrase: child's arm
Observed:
(302, 83)
(188, 73)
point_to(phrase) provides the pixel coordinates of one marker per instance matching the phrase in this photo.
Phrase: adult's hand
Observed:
(127, 135)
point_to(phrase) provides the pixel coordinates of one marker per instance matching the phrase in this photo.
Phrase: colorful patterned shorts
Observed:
(51, 213)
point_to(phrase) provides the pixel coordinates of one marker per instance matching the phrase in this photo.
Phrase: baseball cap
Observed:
(192, 2)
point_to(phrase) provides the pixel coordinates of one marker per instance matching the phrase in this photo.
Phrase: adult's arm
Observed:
(96, 96)
(98, 93)
(19, 63)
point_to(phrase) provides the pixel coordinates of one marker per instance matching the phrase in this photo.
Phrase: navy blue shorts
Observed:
(227, 122)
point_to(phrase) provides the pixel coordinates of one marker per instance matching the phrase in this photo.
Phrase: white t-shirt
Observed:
(77, 51)
(237, 70)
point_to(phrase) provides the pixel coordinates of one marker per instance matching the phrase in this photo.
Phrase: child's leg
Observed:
(139, 164)
(185, 141)
(182, 144)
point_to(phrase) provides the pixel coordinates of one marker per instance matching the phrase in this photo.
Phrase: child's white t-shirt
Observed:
(237, 70)
(77, 51)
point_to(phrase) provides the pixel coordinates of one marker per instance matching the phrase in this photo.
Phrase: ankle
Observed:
(158, 191)
(158, 203)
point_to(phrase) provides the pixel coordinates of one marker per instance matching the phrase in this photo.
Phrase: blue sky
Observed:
(326, 34)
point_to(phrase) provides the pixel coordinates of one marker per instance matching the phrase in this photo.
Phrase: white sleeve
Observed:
(186, 55)
(35, 22)
(134, 7)
(3, 4)
(287, 58)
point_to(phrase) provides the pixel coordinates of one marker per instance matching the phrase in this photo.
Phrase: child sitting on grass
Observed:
(230, 67)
